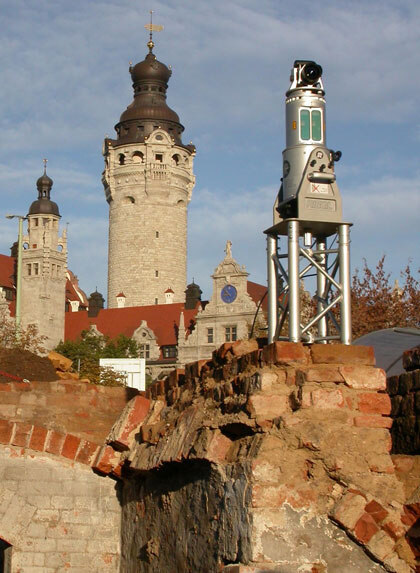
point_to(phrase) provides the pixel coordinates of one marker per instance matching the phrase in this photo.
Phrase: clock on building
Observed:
(228, 293)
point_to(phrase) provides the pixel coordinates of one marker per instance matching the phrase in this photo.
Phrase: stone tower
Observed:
(148, 181)
(44, 264)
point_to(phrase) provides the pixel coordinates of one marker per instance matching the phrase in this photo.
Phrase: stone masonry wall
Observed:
(57, 514)
(275, 459)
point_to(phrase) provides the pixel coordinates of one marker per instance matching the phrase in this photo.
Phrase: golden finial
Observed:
(152, 28)
(45, 161)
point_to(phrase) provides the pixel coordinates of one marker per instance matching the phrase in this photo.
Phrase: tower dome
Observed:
(43, 205)
(149, 109)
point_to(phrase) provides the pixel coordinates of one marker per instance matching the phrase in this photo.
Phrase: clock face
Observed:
(228, 293)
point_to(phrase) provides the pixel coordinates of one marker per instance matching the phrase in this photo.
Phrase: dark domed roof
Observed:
(44, 182)
(150, 69)
(149, 109)
(43, 205)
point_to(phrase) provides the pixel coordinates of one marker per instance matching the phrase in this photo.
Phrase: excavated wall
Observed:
(265, 460)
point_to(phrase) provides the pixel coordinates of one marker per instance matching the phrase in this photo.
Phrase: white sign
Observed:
(134, 370)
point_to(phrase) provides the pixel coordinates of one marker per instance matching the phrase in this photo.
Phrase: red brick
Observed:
(55, 443)
(327, 399)
(372, 421)
(218, 447)
(342, 354)
(319, 373)
(363, 377)
(266, 406)
(376, 510)
(5, 387)
(241, 347)
(374, 403)
(22, 386)
(365, 528)
(350, 509)
(394, 529)
(22, 434)
(106, 460)
(128, 425)
(6, 429)
(286, 353)
(87, 452)
(37, 441)
(70, 447)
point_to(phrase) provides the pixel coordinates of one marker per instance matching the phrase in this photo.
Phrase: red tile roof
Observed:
(163, 319)
(7, 270)
(257, 292)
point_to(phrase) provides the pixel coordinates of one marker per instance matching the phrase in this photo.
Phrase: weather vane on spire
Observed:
(45, 161)
(152, 28)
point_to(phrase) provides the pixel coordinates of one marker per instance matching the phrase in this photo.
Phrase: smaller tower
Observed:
(44, 265)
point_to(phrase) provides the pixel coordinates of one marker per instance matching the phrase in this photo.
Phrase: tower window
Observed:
(156, 301)
(157, 234)
(121, 159)
(210, 335)
(156, 274)
(175, 159)
(36, 268)
(36, 222)
(230, 333)
(138, 157)
(159, 157)
(29, 269)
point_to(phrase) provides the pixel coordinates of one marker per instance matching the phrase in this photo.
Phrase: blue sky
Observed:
(66, 82)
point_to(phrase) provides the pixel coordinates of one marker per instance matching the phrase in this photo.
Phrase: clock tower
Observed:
(227, 317)
(148, 181)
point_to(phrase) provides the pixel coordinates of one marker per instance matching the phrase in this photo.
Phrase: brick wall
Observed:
(263, 459)
(67, 406)
(54, 510)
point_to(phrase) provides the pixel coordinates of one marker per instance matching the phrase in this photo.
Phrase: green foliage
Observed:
(91, 347)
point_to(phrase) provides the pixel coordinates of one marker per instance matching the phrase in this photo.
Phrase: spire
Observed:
(152, 28)
(44, 205)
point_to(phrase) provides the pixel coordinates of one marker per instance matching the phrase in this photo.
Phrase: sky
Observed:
(65, 83)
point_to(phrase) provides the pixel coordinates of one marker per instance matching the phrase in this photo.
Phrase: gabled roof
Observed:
(257, 292)
(163, 319)
(7, 271)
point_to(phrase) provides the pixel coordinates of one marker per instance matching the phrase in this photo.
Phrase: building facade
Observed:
(148, 181)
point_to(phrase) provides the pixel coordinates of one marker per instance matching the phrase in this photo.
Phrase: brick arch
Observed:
(41, 439)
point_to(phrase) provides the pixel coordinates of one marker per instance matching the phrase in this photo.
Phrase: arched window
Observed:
(138, 157)
(121, 159)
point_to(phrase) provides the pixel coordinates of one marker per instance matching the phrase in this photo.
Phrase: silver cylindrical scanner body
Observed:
(305, 127)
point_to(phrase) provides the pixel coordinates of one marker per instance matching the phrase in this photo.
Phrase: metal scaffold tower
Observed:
(308, 213)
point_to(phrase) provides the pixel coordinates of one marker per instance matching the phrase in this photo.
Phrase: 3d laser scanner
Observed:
(308, 212)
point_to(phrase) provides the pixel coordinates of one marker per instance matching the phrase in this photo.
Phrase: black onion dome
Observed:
(150, 69)
(148, 109)
(43, 205)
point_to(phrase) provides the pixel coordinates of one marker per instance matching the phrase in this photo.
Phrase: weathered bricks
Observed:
(124, 430)
(373, 403)
(286, 354)
(363, 377)
(342, 354)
